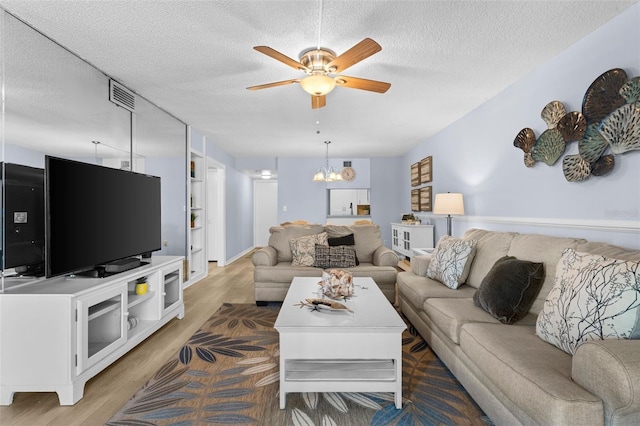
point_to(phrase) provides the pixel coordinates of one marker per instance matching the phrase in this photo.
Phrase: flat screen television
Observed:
(96, 215)
(23, 224)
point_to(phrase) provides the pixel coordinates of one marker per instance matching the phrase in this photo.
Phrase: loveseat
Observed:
(514, 375)
(275, 264)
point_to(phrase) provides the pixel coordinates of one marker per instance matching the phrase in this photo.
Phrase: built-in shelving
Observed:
(197, 227)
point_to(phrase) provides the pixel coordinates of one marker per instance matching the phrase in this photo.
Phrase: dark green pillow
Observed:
(510, 288)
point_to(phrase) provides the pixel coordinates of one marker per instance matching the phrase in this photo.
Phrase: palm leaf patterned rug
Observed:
(227, 373)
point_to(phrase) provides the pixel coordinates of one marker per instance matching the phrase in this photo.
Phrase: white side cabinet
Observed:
(404, 238)
(57, 333)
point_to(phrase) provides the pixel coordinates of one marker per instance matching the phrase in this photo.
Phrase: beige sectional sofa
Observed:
(274, 270)
(514, 375)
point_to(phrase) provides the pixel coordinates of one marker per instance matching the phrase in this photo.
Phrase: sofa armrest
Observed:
(420, 264)
(265, 256)
(384, 256)
(610, 369)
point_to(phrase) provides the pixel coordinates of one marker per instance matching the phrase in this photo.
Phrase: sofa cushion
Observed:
(283, 272)
(531, 373)
(593, 298)
(303, 249)
(280, 236)
(545, 249)
(382, 275)
(490, 247)
(367, 238)
(609, 250)
(415, 289)
(334, 257)
(509, 289)
(449, 315)
(451, 261)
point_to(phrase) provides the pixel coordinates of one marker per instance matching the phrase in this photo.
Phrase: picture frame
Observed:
(425, 199)
(426, 174)
(415, 174)
(415, 200)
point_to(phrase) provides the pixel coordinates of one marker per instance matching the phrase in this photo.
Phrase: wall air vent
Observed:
(120, 95)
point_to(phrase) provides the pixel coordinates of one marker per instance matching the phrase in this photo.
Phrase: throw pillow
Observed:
(509, 289)
(303, 249)
(335, 257)
(451, 261)
(593, 298)
(347, 240)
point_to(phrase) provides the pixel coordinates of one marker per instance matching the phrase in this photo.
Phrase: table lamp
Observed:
(449, 204)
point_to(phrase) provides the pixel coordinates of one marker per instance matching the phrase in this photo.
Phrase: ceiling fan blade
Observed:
(362, 84)
(277, 83)
(281, 57)
(318, 101)
(357, 53)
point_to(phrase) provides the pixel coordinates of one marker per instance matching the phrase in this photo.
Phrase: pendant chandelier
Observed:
(326, 173)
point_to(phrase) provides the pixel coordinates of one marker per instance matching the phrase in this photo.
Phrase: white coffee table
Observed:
(336, 351)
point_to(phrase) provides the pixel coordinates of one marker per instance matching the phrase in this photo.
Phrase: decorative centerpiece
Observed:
(337, 284)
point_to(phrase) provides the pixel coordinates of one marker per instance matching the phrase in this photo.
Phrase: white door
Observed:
(265, 210)
(212, 215)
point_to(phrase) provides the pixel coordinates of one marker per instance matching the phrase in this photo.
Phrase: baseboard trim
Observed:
(239, 255)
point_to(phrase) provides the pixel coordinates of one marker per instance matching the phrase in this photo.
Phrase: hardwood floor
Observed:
(109, 390)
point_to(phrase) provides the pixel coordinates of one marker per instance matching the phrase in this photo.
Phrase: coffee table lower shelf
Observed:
(340, 370)
(341, 375)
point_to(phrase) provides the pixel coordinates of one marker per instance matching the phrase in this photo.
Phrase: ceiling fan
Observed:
(323, 69)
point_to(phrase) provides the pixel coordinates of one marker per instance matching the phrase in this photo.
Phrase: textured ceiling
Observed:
(195, 59)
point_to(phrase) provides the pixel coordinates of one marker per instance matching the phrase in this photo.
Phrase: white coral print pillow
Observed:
(593, 298)
(451, 261)
(303, 249)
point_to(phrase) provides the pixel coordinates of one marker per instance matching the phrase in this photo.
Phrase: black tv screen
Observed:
(23, 203)
(96, 215)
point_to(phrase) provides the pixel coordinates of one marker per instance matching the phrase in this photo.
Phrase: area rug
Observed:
(227, 373)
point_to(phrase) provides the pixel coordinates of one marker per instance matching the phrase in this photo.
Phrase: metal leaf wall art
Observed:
(609, 121)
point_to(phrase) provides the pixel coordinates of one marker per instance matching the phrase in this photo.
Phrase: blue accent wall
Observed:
(476, 156)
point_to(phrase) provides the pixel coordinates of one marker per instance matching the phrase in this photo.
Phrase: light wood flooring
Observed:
(111, 389)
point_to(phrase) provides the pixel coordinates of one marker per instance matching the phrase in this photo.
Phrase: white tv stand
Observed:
(57, 333)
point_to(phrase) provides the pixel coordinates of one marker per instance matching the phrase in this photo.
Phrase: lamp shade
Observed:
(318, 84)
(449, 203)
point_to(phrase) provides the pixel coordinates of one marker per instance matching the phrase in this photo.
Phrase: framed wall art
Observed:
(425, 199)
(415, 200)
(426, 175)
(415, 174)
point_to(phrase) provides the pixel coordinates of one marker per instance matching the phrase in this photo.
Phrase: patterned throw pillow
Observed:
(303, 249)
(335, 257)
(451, 261)
(593, 298)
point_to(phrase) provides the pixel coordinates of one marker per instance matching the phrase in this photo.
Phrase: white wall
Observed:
(476, 156)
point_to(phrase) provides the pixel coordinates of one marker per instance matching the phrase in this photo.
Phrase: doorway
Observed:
(265, 210)
(216, 235)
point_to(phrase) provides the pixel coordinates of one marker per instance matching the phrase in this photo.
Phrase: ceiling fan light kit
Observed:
(319, 63)
(317, 84)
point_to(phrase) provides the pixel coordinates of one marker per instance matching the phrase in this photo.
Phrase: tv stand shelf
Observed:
(57, 333)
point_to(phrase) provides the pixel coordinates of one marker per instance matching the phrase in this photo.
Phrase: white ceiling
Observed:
(195, 59)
